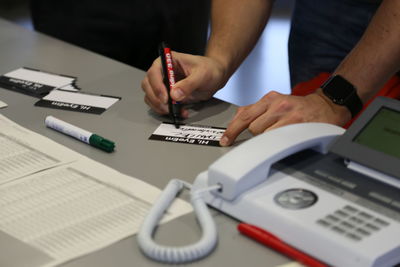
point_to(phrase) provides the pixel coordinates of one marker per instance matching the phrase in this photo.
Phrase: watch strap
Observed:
(355, 105)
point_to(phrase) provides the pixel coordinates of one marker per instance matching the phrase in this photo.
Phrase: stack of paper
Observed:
(63, 204)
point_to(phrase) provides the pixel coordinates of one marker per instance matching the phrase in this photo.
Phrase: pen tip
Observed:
(175, 122)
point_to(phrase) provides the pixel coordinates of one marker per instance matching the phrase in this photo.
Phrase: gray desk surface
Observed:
(129, 123)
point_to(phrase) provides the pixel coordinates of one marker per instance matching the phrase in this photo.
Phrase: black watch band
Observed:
(343, 93)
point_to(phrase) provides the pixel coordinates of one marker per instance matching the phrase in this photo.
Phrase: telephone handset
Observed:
(248, 164)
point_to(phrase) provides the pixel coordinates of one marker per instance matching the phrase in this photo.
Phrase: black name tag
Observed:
(26, 87)
(34, 82)
(188, 134)
(69, 106)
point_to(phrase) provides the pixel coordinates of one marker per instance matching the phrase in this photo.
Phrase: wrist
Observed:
(341, 112)
(223, 59)
(221, 71)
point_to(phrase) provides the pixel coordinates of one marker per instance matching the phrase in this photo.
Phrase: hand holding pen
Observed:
(197, 79)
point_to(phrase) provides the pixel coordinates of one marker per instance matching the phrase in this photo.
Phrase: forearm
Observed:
(235, 28)
(376, 57)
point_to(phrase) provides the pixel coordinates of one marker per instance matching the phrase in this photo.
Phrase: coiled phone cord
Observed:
(185, 253)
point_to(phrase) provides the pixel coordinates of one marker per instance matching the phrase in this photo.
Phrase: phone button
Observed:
(296, 198)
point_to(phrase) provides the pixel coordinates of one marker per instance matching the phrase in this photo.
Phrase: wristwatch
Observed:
(343, 93)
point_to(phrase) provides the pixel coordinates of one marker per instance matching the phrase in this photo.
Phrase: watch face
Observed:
(338, 90)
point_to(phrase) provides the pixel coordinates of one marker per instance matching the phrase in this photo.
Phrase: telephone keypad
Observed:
(352, 223)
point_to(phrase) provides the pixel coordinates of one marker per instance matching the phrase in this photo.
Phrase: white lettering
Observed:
(203, 142)
(180, 139)
(61, 104)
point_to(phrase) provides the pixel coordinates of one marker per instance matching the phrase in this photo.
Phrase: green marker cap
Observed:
(102, 143)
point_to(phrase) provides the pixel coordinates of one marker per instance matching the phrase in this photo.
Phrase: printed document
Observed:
(65, 205)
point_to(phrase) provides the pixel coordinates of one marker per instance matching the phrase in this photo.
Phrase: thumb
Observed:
(183, 89)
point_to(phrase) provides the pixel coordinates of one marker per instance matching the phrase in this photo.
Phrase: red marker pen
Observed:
(169, 81)
(275, 243)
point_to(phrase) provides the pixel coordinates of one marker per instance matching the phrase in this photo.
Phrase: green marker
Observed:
(80, 134)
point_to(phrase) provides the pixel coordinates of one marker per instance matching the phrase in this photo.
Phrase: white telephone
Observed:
(231, 181)
(309, 214)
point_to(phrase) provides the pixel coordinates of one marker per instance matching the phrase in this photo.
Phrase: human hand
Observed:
(198, 78)
(275, 110)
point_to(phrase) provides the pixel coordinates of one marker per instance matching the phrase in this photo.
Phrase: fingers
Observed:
(278, 114)
(195, 75)
(276, 110)
(156, 95)
(256, 117)
(243, 118)
(182, 90)
(202, 77)
(184, 113)
(152, 100)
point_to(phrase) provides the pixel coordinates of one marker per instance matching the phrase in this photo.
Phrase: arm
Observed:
(377, 55)
(236, 26)
(368, 66)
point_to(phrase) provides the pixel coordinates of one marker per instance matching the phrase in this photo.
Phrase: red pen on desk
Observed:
(275, 243)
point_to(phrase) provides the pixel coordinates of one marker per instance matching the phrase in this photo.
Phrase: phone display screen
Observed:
(382, 133)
